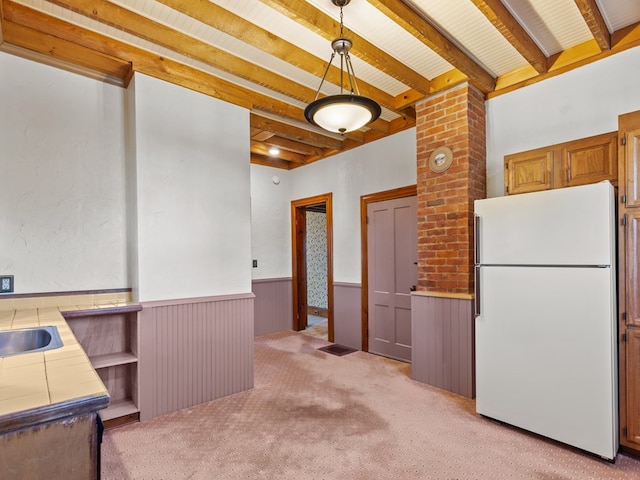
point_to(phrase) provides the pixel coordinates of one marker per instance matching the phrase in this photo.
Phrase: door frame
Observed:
(365, 200)
(298, 267)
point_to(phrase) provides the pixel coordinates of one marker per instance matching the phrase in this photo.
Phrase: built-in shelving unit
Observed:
(108, 336)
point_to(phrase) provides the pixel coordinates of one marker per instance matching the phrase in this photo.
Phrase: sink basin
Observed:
(29, 340)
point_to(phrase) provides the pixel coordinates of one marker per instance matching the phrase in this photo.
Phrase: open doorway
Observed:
(312, 263)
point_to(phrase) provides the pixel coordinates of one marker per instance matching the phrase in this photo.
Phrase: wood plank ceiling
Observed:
(269, 55)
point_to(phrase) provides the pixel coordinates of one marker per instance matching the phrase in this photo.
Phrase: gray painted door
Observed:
(393, 273)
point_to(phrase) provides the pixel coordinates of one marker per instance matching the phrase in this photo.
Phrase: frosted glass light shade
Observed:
(342, 113)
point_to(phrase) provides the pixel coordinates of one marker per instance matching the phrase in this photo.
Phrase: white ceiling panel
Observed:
(555, 25)
(295, 33)
(619, 13)
(371, 24)
(462, 21)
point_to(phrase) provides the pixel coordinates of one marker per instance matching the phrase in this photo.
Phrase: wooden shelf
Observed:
(108, 335)
(112, 359)
(119, 408)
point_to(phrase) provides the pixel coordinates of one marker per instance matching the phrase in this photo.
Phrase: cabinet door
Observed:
(590, 160)
(528, 171)
(632, 266)
(629, 284)
(633, 387)
(632, 158)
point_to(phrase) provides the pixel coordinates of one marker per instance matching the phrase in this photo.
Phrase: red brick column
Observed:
(455, 119)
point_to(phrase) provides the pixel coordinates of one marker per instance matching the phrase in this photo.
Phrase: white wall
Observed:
(271, 222)
(382, 165)
(62, 195)
(102, 188)
(583, 102)
(193, 197)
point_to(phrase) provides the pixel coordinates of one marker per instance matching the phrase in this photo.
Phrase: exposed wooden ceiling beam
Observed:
(508, 26)
(315, 20)
(627, 37)
(262, 149)
(571, 58)
(592, 15)
(110, 14)
(260, 135)
(257, 159)
(408, 19)
(217, 17)
(294, 133)
(142, 61)
(447, 80)
(65, 51)
(292, 145)
(160, 67)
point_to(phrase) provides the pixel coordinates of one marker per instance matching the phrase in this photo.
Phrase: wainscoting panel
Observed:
(273, 305)
(442, 334)
(347, 314)
(192, 351)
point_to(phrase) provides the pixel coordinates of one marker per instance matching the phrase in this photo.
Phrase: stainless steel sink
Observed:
(29, 340)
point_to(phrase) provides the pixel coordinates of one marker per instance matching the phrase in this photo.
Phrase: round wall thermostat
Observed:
(441, 159)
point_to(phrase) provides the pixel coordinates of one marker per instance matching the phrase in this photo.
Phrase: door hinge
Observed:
(507, 188)
(624, 316)
(624, 140)
(624, 337)
(624, 432)
(624, 221)
(624, 198)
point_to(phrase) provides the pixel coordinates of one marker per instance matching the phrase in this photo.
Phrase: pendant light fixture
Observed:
(347, 111)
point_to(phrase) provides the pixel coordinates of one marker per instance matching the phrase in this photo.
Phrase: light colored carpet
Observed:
(314, 415)
(317, 327)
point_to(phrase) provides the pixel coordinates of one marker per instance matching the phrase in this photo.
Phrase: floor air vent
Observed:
(338, 350)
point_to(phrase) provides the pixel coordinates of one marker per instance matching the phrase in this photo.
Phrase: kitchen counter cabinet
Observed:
(632, 425)
(48, 405)
(109, 337)
(66, 448)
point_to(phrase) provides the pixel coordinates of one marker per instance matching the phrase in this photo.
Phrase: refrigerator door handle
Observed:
(476, 292)
(476, 254)
(476, 243)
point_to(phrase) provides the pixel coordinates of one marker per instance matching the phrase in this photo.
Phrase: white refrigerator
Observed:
(546, 341)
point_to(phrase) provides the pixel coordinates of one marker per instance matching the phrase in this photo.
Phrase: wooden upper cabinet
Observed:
(580, 162)
(528, 171)
(632, 157)
(589, 160)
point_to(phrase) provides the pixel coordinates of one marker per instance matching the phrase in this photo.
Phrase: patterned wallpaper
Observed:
(317, 259)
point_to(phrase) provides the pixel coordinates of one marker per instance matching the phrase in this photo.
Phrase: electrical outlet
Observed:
(255, 264)
(6, 283)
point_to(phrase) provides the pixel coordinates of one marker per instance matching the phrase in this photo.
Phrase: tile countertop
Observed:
(43, 386)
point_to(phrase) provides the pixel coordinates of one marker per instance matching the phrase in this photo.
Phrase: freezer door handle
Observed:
(476, 243)
(476, 292)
